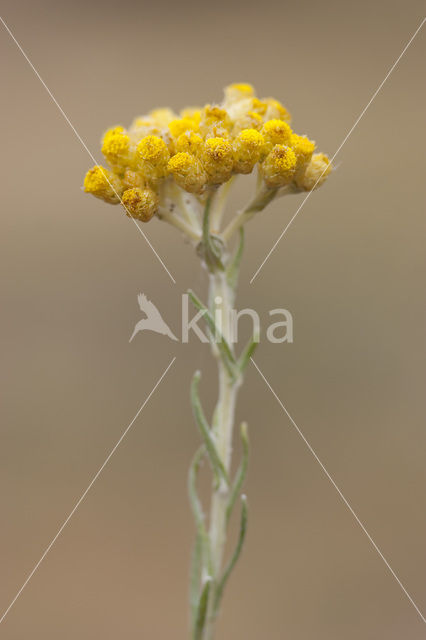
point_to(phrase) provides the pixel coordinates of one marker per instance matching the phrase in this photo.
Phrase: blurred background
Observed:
(350, 269)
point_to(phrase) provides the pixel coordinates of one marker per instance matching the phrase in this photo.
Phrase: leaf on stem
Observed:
(215, 460)
(201, 554)
(243, 530)
(200, 619)
(233, 270)
(194, 583)
(247, 353)
(211, 248)
(241, 473)
(216, 335)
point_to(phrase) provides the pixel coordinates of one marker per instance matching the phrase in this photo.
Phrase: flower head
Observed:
(248, 146)
(275, 110)
(188, 172)
(103, 184)
(190, 142)
(217, 158)
(303, 148)
(161, 117)
(215, 122)
(181, 125)
(153, 156)
(238, 91)
(141, 204)
(279, 166)
(276, 132)
(164, 153)
(316, 172)
(116, 147)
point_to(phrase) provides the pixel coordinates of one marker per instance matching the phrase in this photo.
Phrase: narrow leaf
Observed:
(212, 251)
(194, 583)
(201, 556)
(215, 460)
(247, 353)
(234, 268)
(225, 351)
(200, 619)
(236, 555)
(196, 507)
(241, 473)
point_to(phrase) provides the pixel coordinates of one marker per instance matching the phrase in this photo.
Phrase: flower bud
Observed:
(187, 172)
(141, 204)
(247, 120)
(116, 147)
(316, 172)
(238, 91)
(161, 117)
(189, 142)
(275, 109)
(103, 184)
(303, 148)
(181, 125)
(248, 147)
(279, 166)
(132, 179)
(217, 158)
(276, 132)
(153, 156)
(215, 122)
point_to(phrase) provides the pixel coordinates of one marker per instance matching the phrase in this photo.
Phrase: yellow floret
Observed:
(303, 148)
(187, 172)
(316, 172)
(112, 132)
(276, 132)
(142, 121)
(162, 117)
(153, 156)
(214, 113)
(132, 179)
(242, 87)
(141, 204)
(190, 142)
(215, 122)
(247, 120)
(191, 112)
(238, 91)
(279, 166)
(179, 126)
(116, 147)
(217, 157)
(248, 146)
(259, 106)
(275, 110)
(152, 149)
(103, 184)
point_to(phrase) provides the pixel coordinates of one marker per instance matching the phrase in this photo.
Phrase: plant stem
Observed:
(261, 199)
(221, 296)
(179, 223)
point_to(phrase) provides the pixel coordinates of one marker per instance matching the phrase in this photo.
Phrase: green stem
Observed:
(261, 199)
(179, 223)
(221, 295)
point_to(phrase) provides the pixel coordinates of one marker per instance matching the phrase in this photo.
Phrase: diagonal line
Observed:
(84, 494)
(340, 147)
(83, 143)
(339, 491)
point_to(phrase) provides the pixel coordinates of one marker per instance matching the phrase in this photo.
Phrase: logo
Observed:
(153, 320)
(277, 332)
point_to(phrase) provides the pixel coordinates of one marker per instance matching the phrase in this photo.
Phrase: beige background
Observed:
(350, 269)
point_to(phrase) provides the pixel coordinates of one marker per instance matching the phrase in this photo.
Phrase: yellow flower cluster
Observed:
(202, 148)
